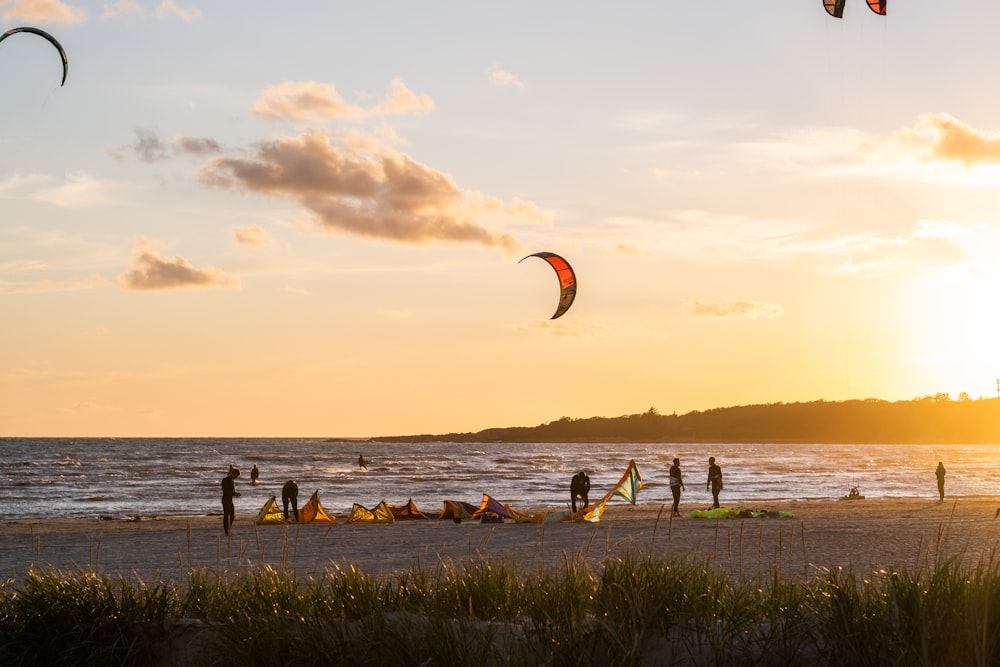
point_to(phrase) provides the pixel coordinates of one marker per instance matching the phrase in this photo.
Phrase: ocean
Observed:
(148, 477)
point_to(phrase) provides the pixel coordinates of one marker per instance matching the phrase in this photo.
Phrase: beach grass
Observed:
(631, 610)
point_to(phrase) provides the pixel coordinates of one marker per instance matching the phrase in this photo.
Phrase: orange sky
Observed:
(307, 221)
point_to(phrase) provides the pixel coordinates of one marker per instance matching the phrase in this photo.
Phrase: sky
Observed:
(306, 218)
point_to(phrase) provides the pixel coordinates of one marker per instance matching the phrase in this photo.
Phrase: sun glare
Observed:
(953, 339)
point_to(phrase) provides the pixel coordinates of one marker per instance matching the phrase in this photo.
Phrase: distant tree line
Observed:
(926, 420)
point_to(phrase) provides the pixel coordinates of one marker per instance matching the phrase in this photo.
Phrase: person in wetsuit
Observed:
(228, 492)
(290, 494)
(579, 486)
(254, 474)
(714, 481)
(676, 484)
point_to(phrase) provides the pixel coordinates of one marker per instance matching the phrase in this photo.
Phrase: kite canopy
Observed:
(835, 8)
(567, 279)
(52, 40)
(877, 6)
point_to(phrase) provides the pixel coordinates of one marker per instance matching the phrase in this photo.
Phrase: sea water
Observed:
(147, 477)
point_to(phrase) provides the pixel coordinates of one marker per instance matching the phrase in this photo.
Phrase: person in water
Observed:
(714, 481)
(254, 474)
(940, 477)
(290, 494)
(579, 486)
(228, 493)
(676, 484)
(362, 464)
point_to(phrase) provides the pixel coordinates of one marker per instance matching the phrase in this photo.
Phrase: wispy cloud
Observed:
(566, 326)
(730, 310)
(149, 147)
(363, 187)
(47, 285)
(169, 9)
(151, 271)
(502, 77)
(76, 190)
(121, 8)
(47, 11)
(255, 235)
(313, 101)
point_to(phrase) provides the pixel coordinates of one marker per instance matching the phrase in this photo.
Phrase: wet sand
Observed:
(862, 536)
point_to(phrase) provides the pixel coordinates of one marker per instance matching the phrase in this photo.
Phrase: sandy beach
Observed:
(862, 536)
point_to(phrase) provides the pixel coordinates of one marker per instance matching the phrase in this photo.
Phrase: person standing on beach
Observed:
(228, 492)
(579, 486)
(940, 477)
(714, 481)
(290, 494)
(676, 484)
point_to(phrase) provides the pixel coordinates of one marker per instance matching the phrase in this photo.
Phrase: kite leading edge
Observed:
(52, 40)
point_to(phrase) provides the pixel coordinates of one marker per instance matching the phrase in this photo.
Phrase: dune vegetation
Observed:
(633, 610)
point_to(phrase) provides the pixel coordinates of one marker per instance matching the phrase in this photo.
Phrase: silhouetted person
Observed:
(362, 464)
(290, 494)
(228, 492)
(676, 484)
(714, 481)
(254, 474)
(579, 487)
(940, 477)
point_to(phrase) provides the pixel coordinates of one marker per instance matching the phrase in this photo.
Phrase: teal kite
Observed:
(52, 40)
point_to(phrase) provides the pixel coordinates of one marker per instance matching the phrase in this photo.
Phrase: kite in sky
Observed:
(835, 8)
(53, 40)
(567, 279)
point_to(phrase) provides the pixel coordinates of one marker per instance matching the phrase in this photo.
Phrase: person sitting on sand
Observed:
(228, 492)
(579, 486)
(290, 494)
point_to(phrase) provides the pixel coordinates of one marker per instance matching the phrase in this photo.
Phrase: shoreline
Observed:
(863, 537)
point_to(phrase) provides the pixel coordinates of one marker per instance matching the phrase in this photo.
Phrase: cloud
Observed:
(566, 326)
(732, 310)
(121, 8)
(41, 286)
(502, 77)
(78, 190)
(312, 101)
(362, 187)
(196, 145)
(152, 271)
(943, 137)
(169, 9)
(630, 250)
(47, 11)
(148, 147)
(255, 235)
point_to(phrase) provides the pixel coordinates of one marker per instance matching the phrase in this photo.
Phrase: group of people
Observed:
(289, 493)
(713, 483)
(579, 486)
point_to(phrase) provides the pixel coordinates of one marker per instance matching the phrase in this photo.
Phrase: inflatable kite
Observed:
(567, 279)
(835, 8)
(52, 40)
